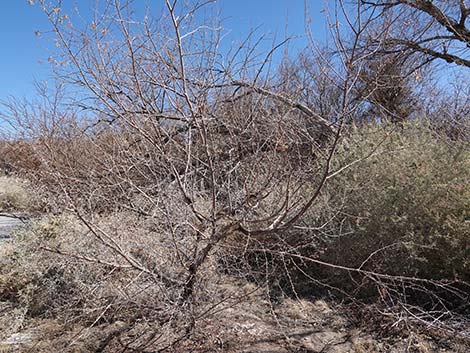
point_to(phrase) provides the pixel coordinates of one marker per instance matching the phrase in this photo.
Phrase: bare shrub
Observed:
(201, 148)
(174, 167)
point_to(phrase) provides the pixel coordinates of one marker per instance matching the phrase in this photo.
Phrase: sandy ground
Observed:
(6, 225)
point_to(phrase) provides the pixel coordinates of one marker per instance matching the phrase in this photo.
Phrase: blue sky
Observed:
(24, 55)
(21, 50)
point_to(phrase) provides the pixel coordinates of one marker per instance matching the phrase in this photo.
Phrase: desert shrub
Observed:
(13, 194)
(410, 198)
(18, 155)
(401, 209)
(395, 224)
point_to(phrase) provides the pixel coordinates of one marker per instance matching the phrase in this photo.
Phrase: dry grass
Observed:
(61, 303)
(13, 194)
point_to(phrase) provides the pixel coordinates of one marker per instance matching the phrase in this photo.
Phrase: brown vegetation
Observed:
(196, 187)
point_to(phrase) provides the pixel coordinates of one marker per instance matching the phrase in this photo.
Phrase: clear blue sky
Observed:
(21, 51)
(24, 55)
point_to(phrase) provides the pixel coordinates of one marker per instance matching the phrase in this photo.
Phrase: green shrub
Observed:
(402, 208)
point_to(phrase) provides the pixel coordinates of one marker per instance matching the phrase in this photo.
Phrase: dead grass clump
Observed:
(13, 194)
(58, 269)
